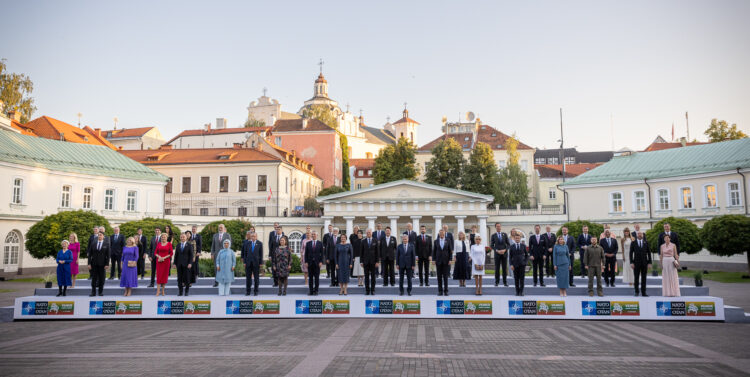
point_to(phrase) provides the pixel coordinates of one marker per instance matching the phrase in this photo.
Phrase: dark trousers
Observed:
(571, 273)
(370, 273)
(424, 268)
(501, 260)
(313, 277)
(252, 274)
(331, 272)
(519, 276)
(443, 270)
(153, 270)
(583, 265)
(409, 274)
(97, 279)
(388, 266)
(548, 265)
(609, 270)
(640, 271)
(183, 277)
(116, 261)
(537, 266)
(141, 266)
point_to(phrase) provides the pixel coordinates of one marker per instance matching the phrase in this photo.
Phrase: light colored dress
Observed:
(225, 259)
(561, 259)
(670, 281)
(627, 271)
(477, 258)
(302, 246)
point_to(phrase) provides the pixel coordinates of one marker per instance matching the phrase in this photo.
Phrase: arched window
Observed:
(295, 239)
(11, 248)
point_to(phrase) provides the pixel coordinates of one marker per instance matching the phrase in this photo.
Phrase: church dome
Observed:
(321, 79)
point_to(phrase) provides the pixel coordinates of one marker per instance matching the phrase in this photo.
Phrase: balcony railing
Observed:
(176, 205)
(518, 211)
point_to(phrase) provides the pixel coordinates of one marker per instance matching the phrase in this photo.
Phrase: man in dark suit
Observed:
(370, 260)
(314, 261)
(610, 258)
(116, 243)
(217, 243)
(198, 247)
(518, 257)
(411, 233)
(151, 250)
(584, 241)
(252, 257)
(640, 261)
(405, 257)
(379, 233)
(273, 243)
(92, 239)
(98, 259)
(388, 246)
(673, 238)
(424, 252)
(329, 260)
(442, 256)
(499, 245)
(330, 240)
(549, 239)
(142, 242)
(571, 243)
(448, 235)
(538, 252)
(183, 260)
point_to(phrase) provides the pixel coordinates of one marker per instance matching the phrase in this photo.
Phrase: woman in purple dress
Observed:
(129, 277)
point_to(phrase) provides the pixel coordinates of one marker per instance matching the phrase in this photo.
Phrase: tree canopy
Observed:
(513, 185)
(721, 131)
(395, 162)
(480, 172)
(252, 122)
(15, 93)
(331, 190)
(446, 165)
(43, 238)
(727, 235)
(235, 228)
(688, 233)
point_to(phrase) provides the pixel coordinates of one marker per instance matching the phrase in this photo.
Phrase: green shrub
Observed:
(727, 235)
(296, 264)
(330, 190)
(236, 229)
(688, 233)
(43, 238)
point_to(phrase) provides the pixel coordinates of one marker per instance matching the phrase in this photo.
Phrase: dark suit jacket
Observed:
(388, 248)
(550, 239)
(115, 247)
(370, 253)
(423, 249)
(673, 238)
(406, 256)
(99, 257)
(183, 257)
(538, 248)
(198, 242)
(314, 254)
(449, 236)
(583, 240)
(329, 244)
(640, 256)
(518, 255)
(443, 255)
(152, 246)
(272, 243)
(92, 239)
(611, 248)
(380, 236)
(571, 243)
(412, 236)
(499, 243)
(142, 243)
(250, 256)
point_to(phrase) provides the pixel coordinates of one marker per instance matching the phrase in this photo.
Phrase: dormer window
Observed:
(466, 138)
(494, 134)
(226, 155)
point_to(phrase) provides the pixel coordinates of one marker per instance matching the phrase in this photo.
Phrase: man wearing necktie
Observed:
(388, 246)
(405, 264)
(499, 244)
(610, 258)
(538, 255)
(549, 239)
(442, 256)
(116, 244)
(151, 250)
(142, 243)
(314, 261)
(584, 240)
(98, 263)
(183, 260)
(640, 261)
(218, 243)
(252, 257)
(424, 253)
(518, 256)
(370, 261)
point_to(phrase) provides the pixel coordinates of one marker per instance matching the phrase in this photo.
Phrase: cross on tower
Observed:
(404, 105)
(321, 66)
(360, 113)
(264, 91)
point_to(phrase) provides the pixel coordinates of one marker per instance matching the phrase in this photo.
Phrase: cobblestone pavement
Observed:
(372, 347)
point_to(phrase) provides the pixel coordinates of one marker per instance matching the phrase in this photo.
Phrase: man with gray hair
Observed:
(330, 240)
(218, 243)
(252, 257)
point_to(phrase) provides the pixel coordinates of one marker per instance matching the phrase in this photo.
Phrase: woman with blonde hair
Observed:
(627, 271)
(477, 260)
(64, 258)
(129, 276)
(75, 249)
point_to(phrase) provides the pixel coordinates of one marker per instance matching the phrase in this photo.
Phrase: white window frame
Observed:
(705, 195)
(247, 182)
(12, 250)
(134, 207)
(635, 201)
(501, 164)
(257, 182)
(17, 191)
(658, 199)
(64, 194)
(190, 191)
(525, 165)
(682, 199)
(552, 194)
(739, 194)
(114, 199)
(612, 208)
(90, 196)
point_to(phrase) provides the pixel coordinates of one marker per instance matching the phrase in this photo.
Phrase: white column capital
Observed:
(371, 217)
(482, 217)
(459, 217)
(415, 217)
(326, 217)
(349, 217)
(393, 217)
(438, 217)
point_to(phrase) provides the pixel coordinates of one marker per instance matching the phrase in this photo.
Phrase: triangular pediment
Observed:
(405, 190)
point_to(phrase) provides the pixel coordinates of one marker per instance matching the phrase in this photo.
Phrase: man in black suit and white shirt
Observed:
(673, 238)
(252, 257)
(388, 246)
(518, 257)
(273, 242)
(411, 233)
(151, 250)
(640, 261)
(370, 260)
(550, 239)
(538, 252)
(142, 242)
(610, 247)
(499, 245)
(424, 253)
(98, 261)
(584, 241)
(183, 260)
(314, 259)
(116, 244)
(405, 257)
(442, 257)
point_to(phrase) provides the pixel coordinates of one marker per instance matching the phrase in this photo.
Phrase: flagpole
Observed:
(687, 126)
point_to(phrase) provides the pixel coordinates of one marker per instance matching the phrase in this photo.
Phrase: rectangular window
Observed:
(223, 183)
(242, 186)
(222, 211)
(205, 184)
(554, 160)
(132, 202)
(109, 199)
(686, 195)
(616, 199)
(360, 173)
(17, 191)
(359, 186)
(286, 185)
(65, 199)
(87, 191)
(185, 211)
(168, 187)
(262, 183)
(186, 184)
(525, 165)
(242, 211)
(262, 211)
(501, 164)
(167, 211)
(539, 160)
(663, 196)
(204, 212)
(552, 193)
(640, 201)
(710, 191)
(278, 140)
(570, 160)
(734, 194)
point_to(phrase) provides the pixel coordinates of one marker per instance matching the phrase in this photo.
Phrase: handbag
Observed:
(132, 263)
(676, 264)
(478, 267)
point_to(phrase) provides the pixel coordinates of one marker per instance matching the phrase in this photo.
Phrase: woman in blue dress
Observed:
(344, 259)
(64, 258)
(225, 262)
(129, 277)
(561, 261)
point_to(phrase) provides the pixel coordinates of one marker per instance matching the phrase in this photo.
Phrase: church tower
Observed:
(321, 87)
(406, 127)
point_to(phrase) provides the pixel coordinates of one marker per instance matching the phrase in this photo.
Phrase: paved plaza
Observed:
(372, 347)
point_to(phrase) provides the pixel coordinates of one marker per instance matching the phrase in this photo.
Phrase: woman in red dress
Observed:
(163, 255)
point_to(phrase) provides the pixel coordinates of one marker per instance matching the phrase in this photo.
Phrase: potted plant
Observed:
(698, 276)
(47, 280)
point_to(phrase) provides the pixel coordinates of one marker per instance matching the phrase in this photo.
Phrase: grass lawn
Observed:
(720, 276)
(7, 290)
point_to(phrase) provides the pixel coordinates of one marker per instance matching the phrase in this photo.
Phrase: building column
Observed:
(438, 226)
(415, 223)
(460, 225)
(349, 224)
(483, 229)
(371, 222)
(394, 225)
(326, 222)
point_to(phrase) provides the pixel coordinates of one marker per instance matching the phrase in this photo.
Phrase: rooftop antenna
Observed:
(264, 91)
(116, 120)
(79, 119)
(687, 126)
(321, 65)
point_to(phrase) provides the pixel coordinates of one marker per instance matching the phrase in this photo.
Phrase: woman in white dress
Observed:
(627, 271)
(476, 259)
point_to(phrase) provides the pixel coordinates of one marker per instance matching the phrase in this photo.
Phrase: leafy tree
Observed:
(311, 204)
(446, 164)
(236, 229)
(480, 172)
(43, 238)
(688, 232)
(330, 190)
(252, 122)
(575, 228)
(721, 131)
(345, 179)
(395, 162)
(15, 93)
(512, 180)
(148, 224)
(727, 235)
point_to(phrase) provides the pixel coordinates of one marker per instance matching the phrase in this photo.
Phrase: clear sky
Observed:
(633, 67)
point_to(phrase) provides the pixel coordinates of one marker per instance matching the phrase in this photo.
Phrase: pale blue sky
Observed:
(179, 64)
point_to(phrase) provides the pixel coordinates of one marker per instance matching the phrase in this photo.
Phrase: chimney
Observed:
(208, 126)
(683, 141)
(15, 115)
(165, 147)
(221, 123)
(304, 123)
(98, 131)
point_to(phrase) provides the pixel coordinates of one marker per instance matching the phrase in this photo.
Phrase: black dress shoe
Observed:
(401, 293)
(426, 285)
(445, 293)
(521, 294)
(151, 285)
(409, 293)
(542, 284)
(505, 284)
(247, 293)
(421, 284)
(101, 294)
(572, 285)
(179, 294)
(316, 293)
(636, 294)
(440, 293)
(644, 295)
(309, 293)
(255, 293)
(92, 295)
(535, 284)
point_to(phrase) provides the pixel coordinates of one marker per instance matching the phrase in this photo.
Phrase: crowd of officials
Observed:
(374, 252)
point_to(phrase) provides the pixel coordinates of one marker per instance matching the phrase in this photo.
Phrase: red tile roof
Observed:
(51, 128)
(405, 120)
(661, 146)
(127, 132)
(21, 127)
(571, 170)
(220, 131)
(363, 164)
(487, 134)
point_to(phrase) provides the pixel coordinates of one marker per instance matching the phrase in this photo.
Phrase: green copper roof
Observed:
(706, 158)
(71, 157)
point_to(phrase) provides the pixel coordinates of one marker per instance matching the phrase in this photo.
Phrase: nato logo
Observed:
(165, 307)
(663, 308)
(443, 307)
(515, 307)
(372, 307)
(95, 307)
(588, 307)
(302, 307)
(28, 308)
(233, 307)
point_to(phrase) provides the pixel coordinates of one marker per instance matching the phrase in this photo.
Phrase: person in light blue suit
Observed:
(64, 258)
(225, 262)
(561, 261)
